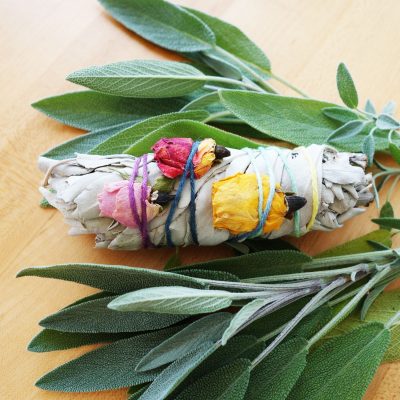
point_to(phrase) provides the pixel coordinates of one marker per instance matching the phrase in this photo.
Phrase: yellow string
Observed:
(314, 183)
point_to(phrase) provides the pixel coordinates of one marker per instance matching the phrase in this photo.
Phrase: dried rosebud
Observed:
(235, 204)
(171, 155)
(114, 203)
(204, 158)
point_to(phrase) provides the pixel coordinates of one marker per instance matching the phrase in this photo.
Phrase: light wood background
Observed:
(41, 41)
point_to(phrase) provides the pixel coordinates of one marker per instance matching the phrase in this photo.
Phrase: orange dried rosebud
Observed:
(204, 158)
(235, 204)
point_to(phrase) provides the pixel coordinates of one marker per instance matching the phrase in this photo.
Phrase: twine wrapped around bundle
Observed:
(211, 199)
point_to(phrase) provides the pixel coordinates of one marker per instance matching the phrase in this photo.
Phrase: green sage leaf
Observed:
(112, 278)
(235, 42)
(192, 129)
(359, 245)
(386, 122)
(52, 340)
(346, 87)
(295, 120)
(202, 102)
(389, 108)
(124, 139)
(344, 366)
(340, 114)
(369, 107)
(275, 376)
(162, 23)
(262, 263)
(108, 367)
(395, 152)
(170, 378)
(94, 111)
(347, 131)
(95, 317)
(369, 148)
(221, 65)
(386, 211)
(387, 222)
(204, 330)
(173, 300)
(229, 382)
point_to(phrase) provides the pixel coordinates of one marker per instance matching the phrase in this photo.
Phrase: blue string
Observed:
(189, 169)
(263, 215)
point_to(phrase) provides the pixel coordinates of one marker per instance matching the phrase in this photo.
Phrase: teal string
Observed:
(188, 170)
(293, 184)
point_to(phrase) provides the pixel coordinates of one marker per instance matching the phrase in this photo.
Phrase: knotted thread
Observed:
(189, 170)
(140, 221)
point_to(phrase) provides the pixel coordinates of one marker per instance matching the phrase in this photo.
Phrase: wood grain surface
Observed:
(41, 41)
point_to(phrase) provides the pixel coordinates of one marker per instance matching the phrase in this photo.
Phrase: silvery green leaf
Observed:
(235, 42)
(344, 366)
(173, 300)
(243, 316)
(96, 111)
(369, 148)
(346, 87)
(229, 382)
(202, 102)
(112, 278)
(340, 114)
(193, 129)
(141, 78)
(389, 108)
(162, 23)
(395, 152)
(295, 120)
(386, 122)
(346, 131)
(369, 107)
(85, 143)
(204, 330)
(123, 140)
(108, 367)
(172, 376)
(221, 66)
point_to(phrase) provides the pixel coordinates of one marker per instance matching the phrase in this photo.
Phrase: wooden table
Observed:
(43, 40)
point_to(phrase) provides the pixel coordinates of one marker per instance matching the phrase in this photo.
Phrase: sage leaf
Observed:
(386, 211)
(229, 382)
(395, 152)
(136, 395)
(124, 139)
(370, 299)
(141, 78)
(346, 131)
(221, 66)
(192, 129)
(389, 108)
(94, 111)
(207, 274)
(234, 41)
(243, 316)
(108, 367)
(340, 114)
(84, 143)
(359, 245)
(94, 317)
(275, 376)
(205, 330)
(52, 340)
(369, 148)
(112, 278)
(173, 300)
(343, 366)
(386, 122)
(162, 23)
(369, 107)
(346, 87)
(262, 263)
(170, 378)
(387, 222)
(295, 120)
(202, 102)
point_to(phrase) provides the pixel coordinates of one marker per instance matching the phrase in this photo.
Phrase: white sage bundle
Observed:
(226, 197)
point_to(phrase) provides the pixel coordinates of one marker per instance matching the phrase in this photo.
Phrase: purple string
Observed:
(141, 222)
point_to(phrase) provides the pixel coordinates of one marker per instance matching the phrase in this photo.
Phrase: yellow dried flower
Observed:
(235, 204)
(204, 158)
